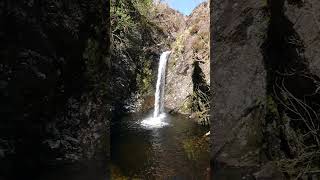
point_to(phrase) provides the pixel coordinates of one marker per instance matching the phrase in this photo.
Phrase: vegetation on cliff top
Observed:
(136, 44)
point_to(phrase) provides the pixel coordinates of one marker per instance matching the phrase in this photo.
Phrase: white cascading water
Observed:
(158, 113)
(161, 81)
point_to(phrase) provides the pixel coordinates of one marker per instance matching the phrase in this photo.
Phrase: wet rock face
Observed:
(43, 75)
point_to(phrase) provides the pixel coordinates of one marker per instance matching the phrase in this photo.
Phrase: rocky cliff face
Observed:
(136, 46)
(188, 67)
(264, 81)
(304, 16)
(52, 108)
(170, 20)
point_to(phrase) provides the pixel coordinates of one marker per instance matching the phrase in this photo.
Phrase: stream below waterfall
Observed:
(177, 150)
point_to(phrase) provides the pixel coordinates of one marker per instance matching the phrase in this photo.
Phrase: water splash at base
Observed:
(155, 122)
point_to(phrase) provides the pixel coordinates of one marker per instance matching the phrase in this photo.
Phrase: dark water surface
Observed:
(176, 151)
(90, 170)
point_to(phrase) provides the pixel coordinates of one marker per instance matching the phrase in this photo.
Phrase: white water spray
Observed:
(158, 113)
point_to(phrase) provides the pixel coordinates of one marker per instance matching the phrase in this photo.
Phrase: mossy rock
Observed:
(186, 106)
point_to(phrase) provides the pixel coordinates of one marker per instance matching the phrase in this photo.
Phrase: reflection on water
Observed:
(177, 150)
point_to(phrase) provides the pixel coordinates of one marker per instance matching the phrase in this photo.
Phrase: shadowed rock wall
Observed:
(51, 109)
(255, 46)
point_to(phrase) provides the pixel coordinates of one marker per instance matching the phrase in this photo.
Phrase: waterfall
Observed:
(158, 119)
(161, 82)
